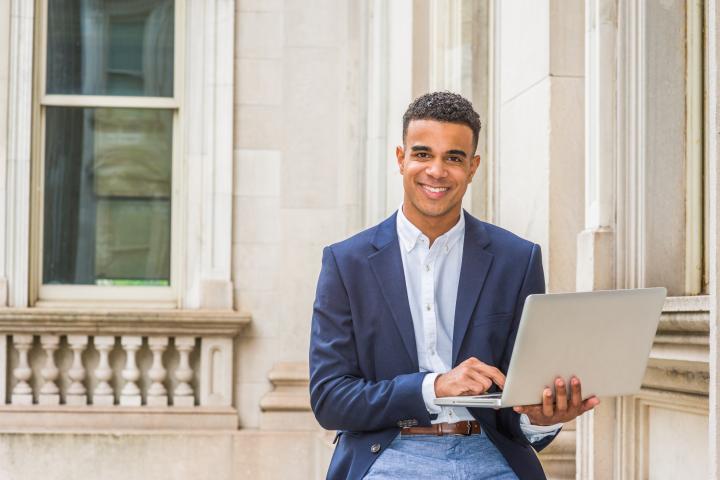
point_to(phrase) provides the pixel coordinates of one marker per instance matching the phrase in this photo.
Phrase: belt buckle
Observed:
(469, 429)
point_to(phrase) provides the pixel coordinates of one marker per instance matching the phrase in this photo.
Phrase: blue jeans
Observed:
(448, 457)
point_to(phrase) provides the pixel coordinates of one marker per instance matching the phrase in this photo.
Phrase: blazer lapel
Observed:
(474, 268)
(386, 265)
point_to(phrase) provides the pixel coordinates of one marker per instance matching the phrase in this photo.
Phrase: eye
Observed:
(422, 155)
(455, 159)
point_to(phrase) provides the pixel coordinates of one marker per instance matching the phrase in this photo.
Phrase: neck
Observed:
(432, 227)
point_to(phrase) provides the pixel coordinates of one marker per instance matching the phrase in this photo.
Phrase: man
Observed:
(424, 305)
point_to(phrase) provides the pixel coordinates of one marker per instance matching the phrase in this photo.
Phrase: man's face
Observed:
(437, 164)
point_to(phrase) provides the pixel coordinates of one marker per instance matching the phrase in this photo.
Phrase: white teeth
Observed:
(435, 189)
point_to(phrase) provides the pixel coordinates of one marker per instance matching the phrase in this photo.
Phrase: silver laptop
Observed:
(603, 338)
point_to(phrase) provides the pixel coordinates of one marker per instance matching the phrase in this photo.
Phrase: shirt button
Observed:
(375, 448)
(428, 307)
(427, 268)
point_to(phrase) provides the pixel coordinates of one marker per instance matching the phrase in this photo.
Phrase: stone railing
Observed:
(123, 368)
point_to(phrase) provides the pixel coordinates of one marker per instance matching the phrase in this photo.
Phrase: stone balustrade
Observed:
(127, 366)
(67, 386)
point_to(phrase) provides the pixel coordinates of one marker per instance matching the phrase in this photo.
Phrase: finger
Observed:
(560, 395)
(482, 381)
(489, 371)
(576, 398)
(529, 409)
(590, 403)
(547, 404)
(475, 383)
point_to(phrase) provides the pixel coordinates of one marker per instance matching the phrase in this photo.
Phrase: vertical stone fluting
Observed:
(104, 394)
(77, 393)
(22, 393)
(157, 393)
(49, 392)
(130, 394)
(183, 396)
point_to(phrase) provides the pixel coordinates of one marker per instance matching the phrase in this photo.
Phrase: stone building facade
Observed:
(171, 169)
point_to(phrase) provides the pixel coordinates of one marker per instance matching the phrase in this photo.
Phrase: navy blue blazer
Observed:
(364, 377)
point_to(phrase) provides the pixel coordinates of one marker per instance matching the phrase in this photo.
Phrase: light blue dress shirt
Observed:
(432, 274)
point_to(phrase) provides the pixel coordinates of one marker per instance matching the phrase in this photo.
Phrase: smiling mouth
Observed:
(435, 190)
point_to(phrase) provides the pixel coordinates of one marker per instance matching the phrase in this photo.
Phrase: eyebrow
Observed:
(420, 148)
(457, 152)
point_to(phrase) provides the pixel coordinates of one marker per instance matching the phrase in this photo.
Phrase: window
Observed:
(105, 169)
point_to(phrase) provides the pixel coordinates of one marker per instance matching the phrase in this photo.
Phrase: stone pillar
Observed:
(713, 151)
(596, 244)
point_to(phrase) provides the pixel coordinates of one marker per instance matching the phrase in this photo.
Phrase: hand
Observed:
(559, 409)
(471, 377)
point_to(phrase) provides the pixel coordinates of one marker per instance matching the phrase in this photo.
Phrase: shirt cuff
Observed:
(535, 433)
(428, 393)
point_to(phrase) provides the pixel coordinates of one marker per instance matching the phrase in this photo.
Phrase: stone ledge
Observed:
(25, 419)
(61, 321)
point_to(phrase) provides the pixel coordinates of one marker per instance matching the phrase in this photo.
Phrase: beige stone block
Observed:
(257, 280)
(248, 396)
(288, 421)
(257, 172)
(676, 444)
(266, 314)
(259, 5)
(313, 147)
(566, 180)
(313, 225)
(595, 260)
(259, 127)
(524, 45)
(567, 38)
(314, 23)
(254, 259)
(273, 455)
(257, 220)
(256, 357)
(259, 82)
(523, 169)
(260, 34)
(216, 294)
(3, 280)
(117, 456)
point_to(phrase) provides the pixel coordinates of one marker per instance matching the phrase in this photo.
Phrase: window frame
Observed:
(42, 295)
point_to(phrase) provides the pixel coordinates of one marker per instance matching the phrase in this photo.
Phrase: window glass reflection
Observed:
(110, 47)
(107, 196)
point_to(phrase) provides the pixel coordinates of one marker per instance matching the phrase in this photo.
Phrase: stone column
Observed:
(596, 243)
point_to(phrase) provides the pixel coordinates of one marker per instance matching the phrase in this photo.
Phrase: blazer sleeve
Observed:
(340, 397)
(534, 282)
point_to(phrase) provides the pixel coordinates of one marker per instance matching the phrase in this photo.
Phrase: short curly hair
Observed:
(443, 107)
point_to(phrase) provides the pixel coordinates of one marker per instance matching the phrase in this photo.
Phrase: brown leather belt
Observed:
(440, 429)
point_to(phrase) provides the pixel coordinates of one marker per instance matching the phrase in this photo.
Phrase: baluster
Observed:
(103, 394)
(183, 396)
(49, 392)
(157, 393)
(22, 393)
(130, 394)
(77, 393)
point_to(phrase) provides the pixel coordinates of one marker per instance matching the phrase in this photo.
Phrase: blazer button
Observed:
(375, 448)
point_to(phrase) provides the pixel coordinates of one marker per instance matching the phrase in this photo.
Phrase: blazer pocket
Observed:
(484, 320)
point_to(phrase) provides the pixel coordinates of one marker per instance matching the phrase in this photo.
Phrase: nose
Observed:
(436, 168)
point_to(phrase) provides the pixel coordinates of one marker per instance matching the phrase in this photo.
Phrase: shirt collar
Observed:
(409, 234)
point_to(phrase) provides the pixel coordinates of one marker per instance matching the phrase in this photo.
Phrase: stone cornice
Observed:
(122, 321)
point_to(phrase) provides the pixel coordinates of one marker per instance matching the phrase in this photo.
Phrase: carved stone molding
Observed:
(109, 321)
(287, 406)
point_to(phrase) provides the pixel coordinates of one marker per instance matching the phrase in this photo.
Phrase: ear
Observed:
(400, 155)
(474, 164)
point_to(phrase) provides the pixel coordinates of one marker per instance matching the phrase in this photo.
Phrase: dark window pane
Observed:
(110, 47)
(107, 196)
